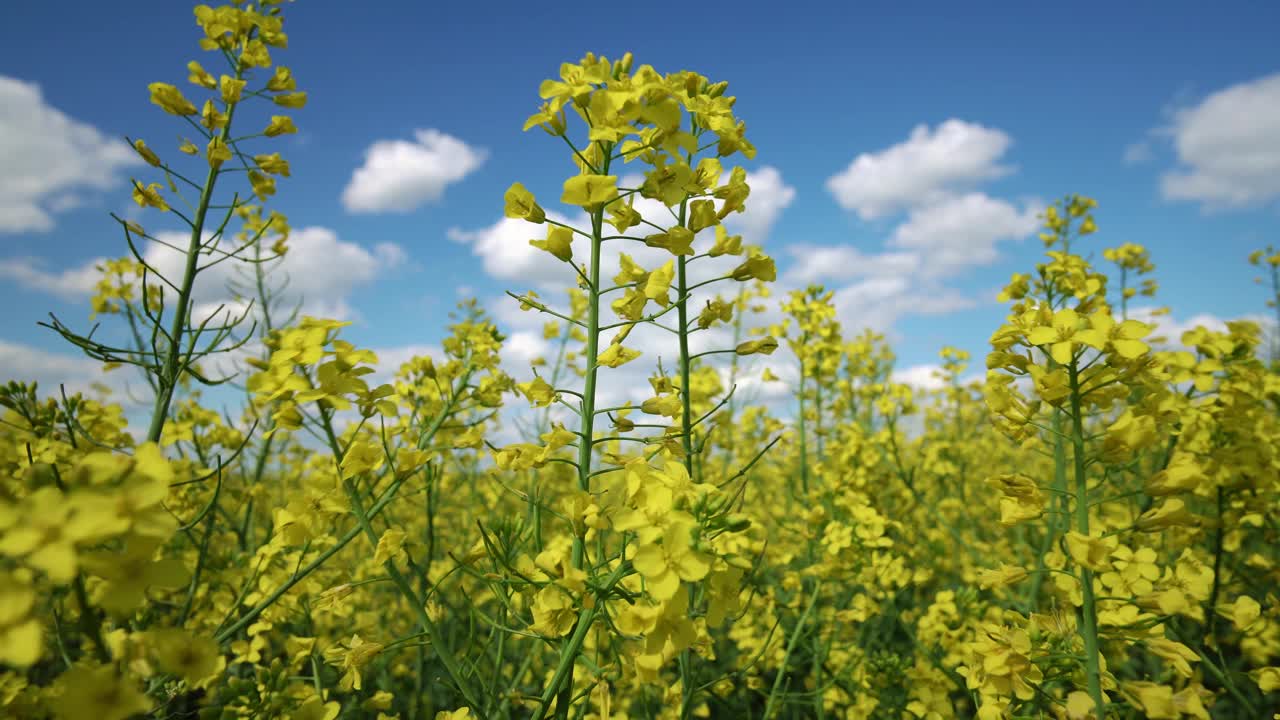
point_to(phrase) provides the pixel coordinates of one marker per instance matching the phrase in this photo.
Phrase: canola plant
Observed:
(1090, 531)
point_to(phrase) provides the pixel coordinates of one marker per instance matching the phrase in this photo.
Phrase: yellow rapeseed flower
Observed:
(170, 99)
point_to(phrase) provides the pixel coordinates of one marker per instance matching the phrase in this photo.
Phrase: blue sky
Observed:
(903, 149)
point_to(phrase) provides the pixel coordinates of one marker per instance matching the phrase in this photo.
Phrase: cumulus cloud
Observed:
(402, 175)
(926, 166)
(840, 263)
(929, 376)
(506, 255)
(1137, 153)
(944, 232)
(1167, 330)
(321, 272)
(961, 232)
(769, 197)
(922, 377)
(47, 155)
(879, 302)
(1228, 147)
(947, 227)
(391, 358)
(505, 252)
(523, 346)
(630, 382)
(316, 277)
(77, 373)
(68, 284)
(939, 240)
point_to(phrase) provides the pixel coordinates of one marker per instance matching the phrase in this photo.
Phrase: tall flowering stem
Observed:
(1088, 610)
(170, 355)
(660, 521)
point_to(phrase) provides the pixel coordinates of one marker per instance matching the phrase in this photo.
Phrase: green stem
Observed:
(204, 554)
(1221, 676)
(1053, 529)
(791, 647)
(1275, 335)
(730, 410)
(387, 496)
(804, 449)
(90, 621)
(817, 420)
(563, 676)
(686, 431)
(433, 631)
(173, 367)
(1210, 634)
(245, 532)
(561, 685)
(686, 400)
(1089, 612)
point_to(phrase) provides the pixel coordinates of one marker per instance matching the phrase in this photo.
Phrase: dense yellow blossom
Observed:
(1087, 531)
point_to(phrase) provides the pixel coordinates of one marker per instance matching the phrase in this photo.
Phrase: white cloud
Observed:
(920, 170)
(879, 302)
(391, 358)
(875, 290)
(48, 368)
(1229, 147)
(321, 271)
(52, 369)
(872, 289)
(65, 202)
(921, 377)
(400, 176)
(752, 387)
(948, 227)
(935, 241)
(769, 197)
(816, 263)
(506, 254)
(1137, 153)
(960, 232)
(45, 154)
(1169, 328)
(929, 377)
(69, 284)
(523, 346)
(317, 277)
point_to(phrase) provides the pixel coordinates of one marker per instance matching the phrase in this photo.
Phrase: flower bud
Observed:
(764, 346)
(623, 64)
